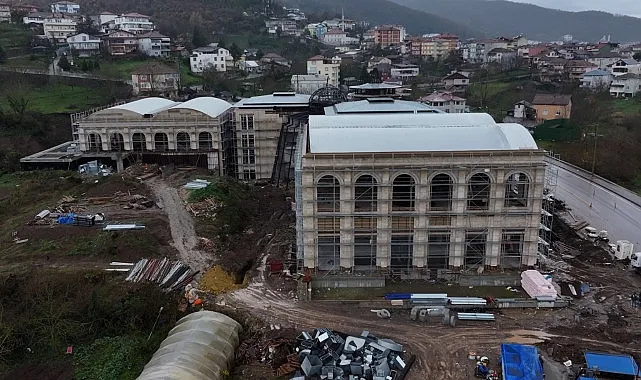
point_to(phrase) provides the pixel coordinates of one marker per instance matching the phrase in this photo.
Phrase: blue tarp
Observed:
(612, 363)
(66, 218)
(520, 362)
(398, 296)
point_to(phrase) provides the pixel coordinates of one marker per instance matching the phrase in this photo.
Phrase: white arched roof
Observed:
(208, 105)
(145, 106)
(199, 347)
(425, 132)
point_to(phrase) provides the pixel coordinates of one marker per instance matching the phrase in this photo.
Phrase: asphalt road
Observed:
(603, 204)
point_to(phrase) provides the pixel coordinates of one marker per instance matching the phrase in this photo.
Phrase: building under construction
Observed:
(414, 193)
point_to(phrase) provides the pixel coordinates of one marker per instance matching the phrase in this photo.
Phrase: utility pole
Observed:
(595, 135)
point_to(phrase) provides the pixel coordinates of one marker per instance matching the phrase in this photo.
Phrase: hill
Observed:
(387, 12)
(497, 17)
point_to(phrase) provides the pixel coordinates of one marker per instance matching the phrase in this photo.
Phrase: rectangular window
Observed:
(438, 251)
(247, 122)
(475, 247)
(249, 174)
(329, 252)
(249, 157)
(247, 141)
(512, 248)
(365, 251)
(401, 253)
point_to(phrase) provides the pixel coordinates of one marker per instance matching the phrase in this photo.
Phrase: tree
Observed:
(64, 64)
(87, 26)
(637, 56)
(198, 39)
(235, 51)
(3, 55)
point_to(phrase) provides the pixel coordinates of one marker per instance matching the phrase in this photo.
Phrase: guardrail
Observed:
(622, 192)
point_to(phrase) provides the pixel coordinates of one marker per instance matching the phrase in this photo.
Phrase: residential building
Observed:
(437, 46)
(404, 72)
(249, 67)
(58, 27)
(5, 12)
(329, 67)
(445, 101)
(477, 51)
(119, 42)
(65, 7)
(457, 81)
(523, 111)
(416, 196)
(36, 17)
(506, 58)
(195, 132)
(133, 23)
(84, 45)
(596, 80)
(625, 66)
(576, 68)
(210, 56)
(552, 106)
(317, 30)
(376, 62)
(155, 78)
(340, 23)
(104, 21)
(603, 59)
(269, 58)
(26, 8)
(284, 27)
(308, 84)
(266, 130)
(338, 37)
(154, 44)
(378, 90)
(625, 86)
(386, 35)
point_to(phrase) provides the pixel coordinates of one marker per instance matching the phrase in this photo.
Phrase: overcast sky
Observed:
(624, 7)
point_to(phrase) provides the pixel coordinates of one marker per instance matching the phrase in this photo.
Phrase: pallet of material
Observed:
(537, 286)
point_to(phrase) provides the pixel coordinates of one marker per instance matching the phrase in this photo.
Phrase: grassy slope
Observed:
(61, 98)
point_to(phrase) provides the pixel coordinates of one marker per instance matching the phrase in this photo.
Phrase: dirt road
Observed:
(181, 224)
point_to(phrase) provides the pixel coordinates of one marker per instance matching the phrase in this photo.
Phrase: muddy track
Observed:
(181, 224)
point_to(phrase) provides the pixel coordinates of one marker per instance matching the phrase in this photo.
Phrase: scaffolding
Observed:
(548, 208)
(419, 215)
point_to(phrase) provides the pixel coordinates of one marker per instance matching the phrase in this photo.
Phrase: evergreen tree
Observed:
(64, 64)
(198, 39)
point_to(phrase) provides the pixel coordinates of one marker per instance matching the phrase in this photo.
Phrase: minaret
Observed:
(342, 19)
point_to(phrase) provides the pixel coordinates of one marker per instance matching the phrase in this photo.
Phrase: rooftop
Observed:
(208, 105)
(145, 106)
(421, 132)
(379, 105)
(153, 34)
(596, 73)
(612, 363)
(438, 96)
(283, 99)
(552, 99)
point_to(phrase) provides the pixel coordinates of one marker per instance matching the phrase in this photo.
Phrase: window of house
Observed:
(478, 192)
(246, 122)
(365, 194)
(512, 248)
(545, 112)
(328, 194)
(475, 247)
(249, 174)
(438, 250)
(516, 190)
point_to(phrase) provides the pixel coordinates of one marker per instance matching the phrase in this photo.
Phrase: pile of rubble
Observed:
(142, 171)
(331, 356)
(129, 201)
(207, 208)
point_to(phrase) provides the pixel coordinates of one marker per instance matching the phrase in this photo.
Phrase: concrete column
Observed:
(104, 139)
(127, 141)
(347, 220)
(493, 248)
(193, 141)
(384, 224)
(499, 192)
(149, 141)
(457, 247)
(421, 220)
(171, 136)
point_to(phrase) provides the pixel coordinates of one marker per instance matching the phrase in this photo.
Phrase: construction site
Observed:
(424, 256)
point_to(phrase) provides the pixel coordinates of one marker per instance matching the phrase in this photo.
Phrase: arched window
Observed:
(117, 142)
(403, 193)
(365, 194)
(328, 194)
(205, 141)
(161, 142)
(139, 142)
(94, 142)
(183, 143)
(478, 192)
(441, 193)
(516, 190)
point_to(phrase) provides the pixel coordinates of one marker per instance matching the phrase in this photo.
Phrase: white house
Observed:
(133, 23)
(104, 21)
(154, 44)
(329, 67)
(625, 66)
(445, 101)
(65, 7)
(58, 28)
(35, 18)
(625, 86)
(456, 79)
(596, 79)
(504, 57)
(5, 12)
(603, 60)
(249, 67)
(338, 37)
(307, 84)
(210, 56)
(84, 45)
(404, 72)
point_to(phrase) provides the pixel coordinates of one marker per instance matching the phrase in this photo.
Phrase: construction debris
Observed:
(122, 227)
(331, 356)
(217, 281)
(206, 208)
(170, 275)
(197, 184)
